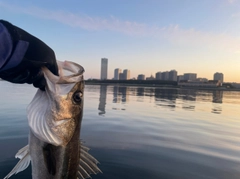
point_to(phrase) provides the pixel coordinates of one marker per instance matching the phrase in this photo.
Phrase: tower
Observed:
(126, 73)
(173, 75)
(218, 76)
(104, 68)
(117, 72)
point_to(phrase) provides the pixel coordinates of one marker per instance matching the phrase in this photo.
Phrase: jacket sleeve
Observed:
(11, 53)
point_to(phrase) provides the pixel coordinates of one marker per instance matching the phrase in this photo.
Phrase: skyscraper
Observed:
(104, 68)
(158, 76)
(218, 76)
(165, 75)
(141, 77)
(126, 73)
(173, 75)
(117, 72)
(121, 76)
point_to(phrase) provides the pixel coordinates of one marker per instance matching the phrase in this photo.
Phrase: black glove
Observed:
(38, 54)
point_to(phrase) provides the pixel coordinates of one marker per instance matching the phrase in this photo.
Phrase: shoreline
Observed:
(164, 86)
(161, 86)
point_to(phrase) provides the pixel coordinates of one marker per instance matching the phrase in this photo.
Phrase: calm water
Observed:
(142, 133)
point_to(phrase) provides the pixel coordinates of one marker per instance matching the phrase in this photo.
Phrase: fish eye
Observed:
(77, 97)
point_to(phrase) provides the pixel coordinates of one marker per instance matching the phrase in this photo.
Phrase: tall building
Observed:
(158, 76)
(117, 72)
(218, 76)
(165, 75)
(141, 77)
(190, 76)
(173, 75)
(126, 73)
(104, 68)
(121, 76)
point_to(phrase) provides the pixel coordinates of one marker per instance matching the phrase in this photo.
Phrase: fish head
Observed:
(55, 114)
(66, 113)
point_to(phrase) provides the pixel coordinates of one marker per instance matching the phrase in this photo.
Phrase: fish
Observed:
(54, 116)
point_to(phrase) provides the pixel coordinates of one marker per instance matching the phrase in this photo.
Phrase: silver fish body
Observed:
(54, 118)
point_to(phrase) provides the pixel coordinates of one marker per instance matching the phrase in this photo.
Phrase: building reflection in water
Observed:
(217, 97)
(125, 94)
(140, 94)
(116, 98)
(120, 94)
(102, 99)
(150, 93)
(165, 97)
(140, 91)
(168, 97)
(189, 94)
(189, 99)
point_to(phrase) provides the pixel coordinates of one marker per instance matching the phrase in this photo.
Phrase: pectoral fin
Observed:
(23, 155)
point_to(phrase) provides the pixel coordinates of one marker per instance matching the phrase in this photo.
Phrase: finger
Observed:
(40, 83)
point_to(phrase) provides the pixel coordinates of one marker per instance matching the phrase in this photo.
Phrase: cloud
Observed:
(83, 21)
(173, 33)
(236, 15)
(194, 37)
(231, 1)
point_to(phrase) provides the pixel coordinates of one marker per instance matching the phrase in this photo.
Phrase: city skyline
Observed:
(190, 36)
(171, 75)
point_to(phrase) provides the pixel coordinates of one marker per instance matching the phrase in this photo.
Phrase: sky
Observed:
(144, 36)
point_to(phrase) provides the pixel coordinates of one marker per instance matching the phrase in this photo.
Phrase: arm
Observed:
(22, 56)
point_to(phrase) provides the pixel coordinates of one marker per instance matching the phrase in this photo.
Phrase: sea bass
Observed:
(54, 118)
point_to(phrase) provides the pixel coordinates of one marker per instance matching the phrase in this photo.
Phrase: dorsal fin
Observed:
(23, 155)
(87, 164)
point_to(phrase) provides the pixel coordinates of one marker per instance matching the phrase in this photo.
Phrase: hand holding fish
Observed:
(22, 56)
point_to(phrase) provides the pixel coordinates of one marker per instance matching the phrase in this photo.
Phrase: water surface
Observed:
(141, 132)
